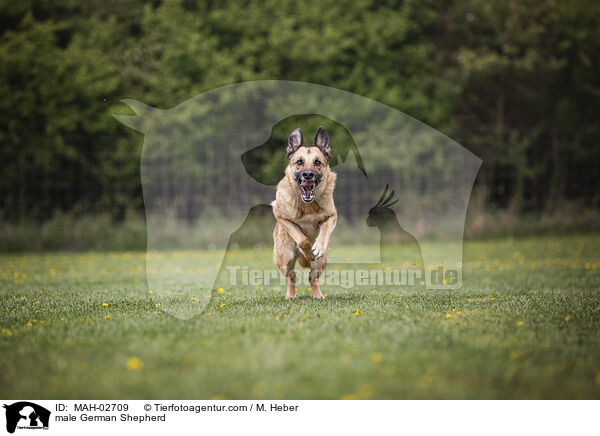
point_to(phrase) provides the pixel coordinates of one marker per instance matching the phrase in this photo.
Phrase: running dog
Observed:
(304, 210)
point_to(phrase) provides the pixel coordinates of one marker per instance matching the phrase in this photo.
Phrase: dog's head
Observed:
(308, 165)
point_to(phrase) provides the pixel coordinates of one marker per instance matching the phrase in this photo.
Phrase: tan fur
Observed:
(303, 229)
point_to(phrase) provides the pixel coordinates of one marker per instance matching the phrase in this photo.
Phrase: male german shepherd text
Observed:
(304, 210)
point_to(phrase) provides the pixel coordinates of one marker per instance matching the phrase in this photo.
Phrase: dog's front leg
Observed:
(319, 249)
(298, 237)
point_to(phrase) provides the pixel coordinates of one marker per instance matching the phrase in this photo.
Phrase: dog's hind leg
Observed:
(291, 285)
(316, 269)
(284, 255)
(287, 268)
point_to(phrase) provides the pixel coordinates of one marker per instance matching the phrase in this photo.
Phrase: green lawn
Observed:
(526, 324)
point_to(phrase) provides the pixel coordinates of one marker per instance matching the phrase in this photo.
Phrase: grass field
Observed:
(526, 324)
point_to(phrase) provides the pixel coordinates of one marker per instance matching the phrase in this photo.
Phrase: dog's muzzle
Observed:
(307, 182)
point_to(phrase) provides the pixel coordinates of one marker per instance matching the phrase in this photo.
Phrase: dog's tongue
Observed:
(307, 185)
(307, 188)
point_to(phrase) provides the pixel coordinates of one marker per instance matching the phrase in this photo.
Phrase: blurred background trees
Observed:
(517, 83)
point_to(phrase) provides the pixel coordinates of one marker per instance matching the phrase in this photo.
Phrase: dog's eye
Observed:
(318, 163)
(299, 162)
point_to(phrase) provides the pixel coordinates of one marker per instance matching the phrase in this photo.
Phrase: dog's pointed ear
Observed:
(295, 141)
(322, 142)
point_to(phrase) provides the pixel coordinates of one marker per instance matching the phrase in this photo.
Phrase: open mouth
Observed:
(307, 190)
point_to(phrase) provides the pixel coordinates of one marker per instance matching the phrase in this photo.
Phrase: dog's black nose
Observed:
(308, 175)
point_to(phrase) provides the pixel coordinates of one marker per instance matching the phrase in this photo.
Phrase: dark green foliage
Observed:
(516, 82)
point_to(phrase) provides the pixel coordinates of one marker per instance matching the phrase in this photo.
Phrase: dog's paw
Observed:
(304, 245)
(290, 297)
(319, 250)
(306, 250)
(319, 297)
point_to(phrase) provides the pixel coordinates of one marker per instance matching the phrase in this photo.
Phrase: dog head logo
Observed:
(199, 183)
(26, 415)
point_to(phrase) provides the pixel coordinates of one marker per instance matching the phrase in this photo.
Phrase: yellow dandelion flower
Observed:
(220, 290)
(276, 318)
(41, 292)
(107, 316)
(449, 315)
(207, 314)
(520, 323)
(157, 304)
(454, 310)
(588, 265)
(29, 324)
(307, 315)
(377, 357)
(567, 318)
(492, 297)
(223, 305)
(194, 299)
(134, 364)
(445, 281)
(407, 306)
(257, 287)
(357, 313)
(149, 292)
(23, 298)
(105, 304)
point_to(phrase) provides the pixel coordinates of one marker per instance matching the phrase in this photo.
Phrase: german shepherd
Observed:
(304, 210)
